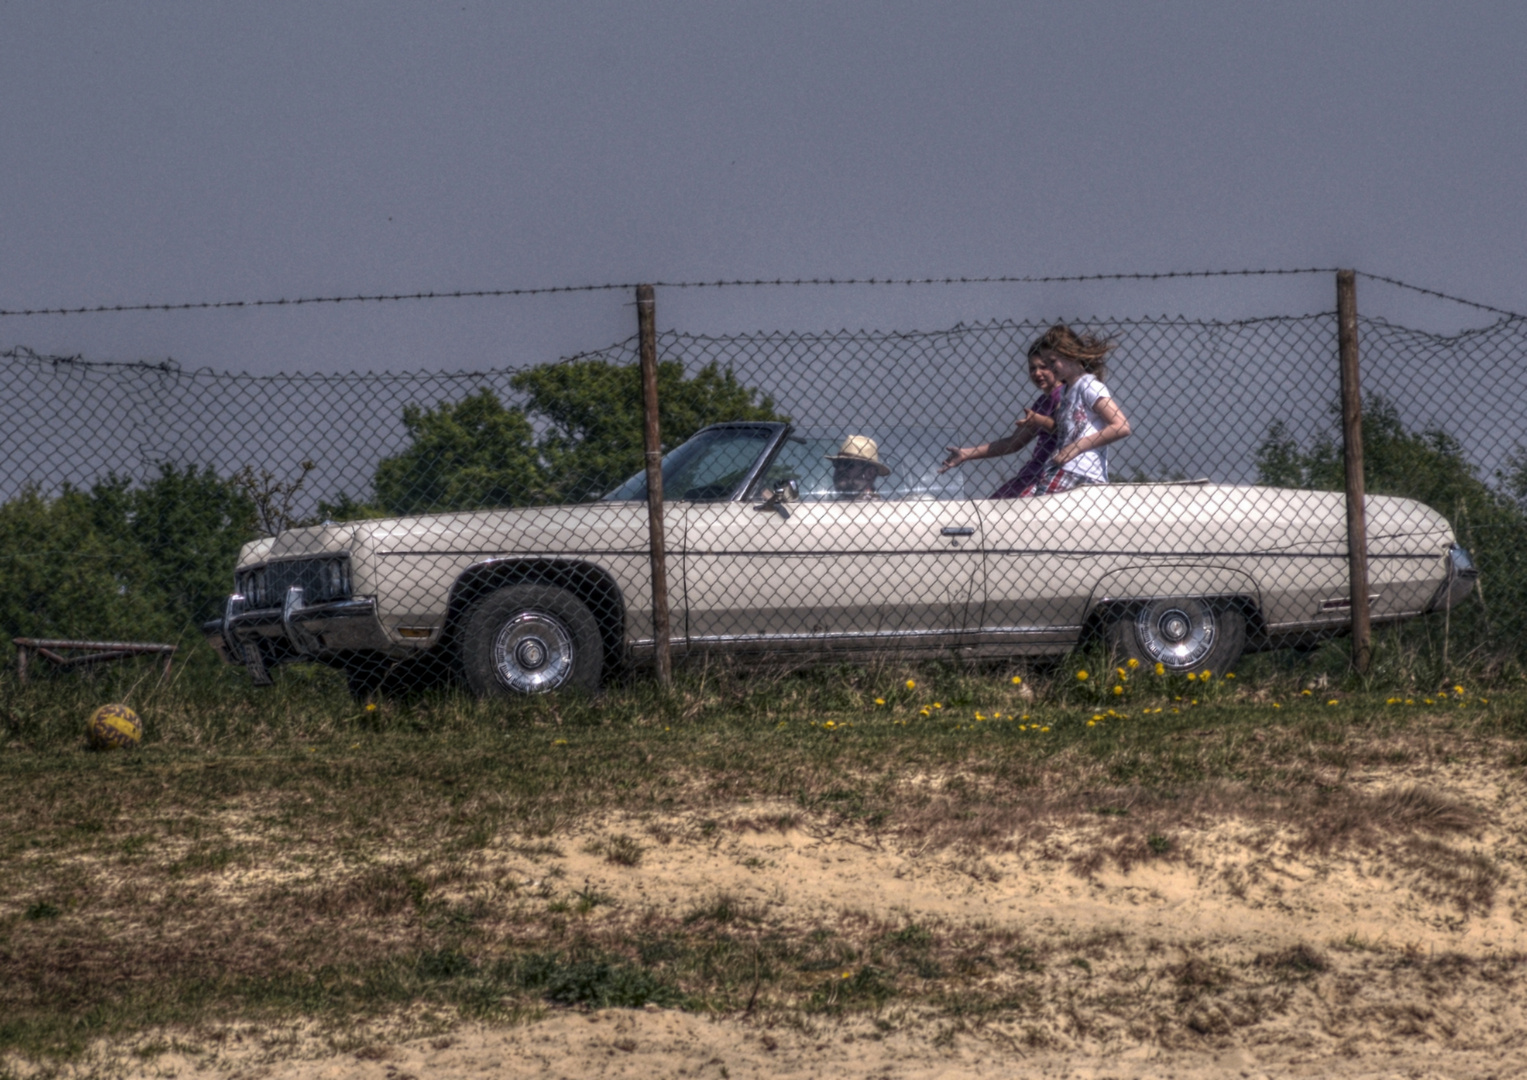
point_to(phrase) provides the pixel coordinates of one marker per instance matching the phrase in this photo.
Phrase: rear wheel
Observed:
(1188, 633)
(530, 639)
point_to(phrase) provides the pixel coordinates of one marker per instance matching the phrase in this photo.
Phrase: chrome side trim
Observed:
(864, 635)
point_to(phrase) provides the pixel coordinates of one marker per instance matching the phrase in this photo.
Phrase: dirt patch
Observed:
(1111, 940)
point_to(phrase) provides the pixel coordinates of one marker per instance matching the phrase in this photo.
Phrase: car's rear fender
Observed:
(588, 582)
(1119, 590)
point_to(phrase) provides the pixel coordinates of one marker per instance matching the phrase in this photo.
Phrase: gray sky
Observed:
(198, 151)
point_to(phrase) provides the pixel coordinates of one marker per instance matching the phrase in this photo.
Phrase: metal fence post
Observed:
(1352, 462)
(646, 318)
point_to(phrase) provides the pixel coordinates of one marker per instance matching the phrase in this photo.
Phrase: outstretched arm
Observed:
(1115, 427)
(1022, 435)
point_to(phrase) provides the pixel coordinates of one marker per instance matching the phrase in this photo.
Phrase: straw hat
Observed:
(861, 449)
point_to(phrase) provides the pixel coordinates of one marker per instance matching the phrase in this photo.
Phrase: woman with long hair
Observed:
(1088, 419)
(1034, 426)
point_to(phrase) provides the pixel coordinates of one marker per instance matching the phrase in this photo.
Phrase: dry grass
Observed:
(311, 862)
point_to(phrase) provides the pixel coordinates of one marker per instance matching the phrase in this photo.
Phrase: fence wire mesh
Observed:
(834, 494)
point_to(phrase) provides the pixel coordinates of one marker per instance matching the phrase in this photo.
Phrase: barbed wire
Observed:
(470, 294)
(723, 283)
(1439, 295)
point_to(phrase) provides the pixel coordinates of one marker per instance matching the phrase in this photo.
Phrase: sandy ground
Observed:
(1166, 969)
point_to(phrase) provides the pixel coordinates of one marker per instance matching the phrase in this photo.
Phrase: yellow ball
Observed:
(113, 726)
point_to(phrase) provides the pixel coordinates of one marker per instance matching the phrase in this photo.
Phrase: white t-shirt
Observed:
(1077, 417)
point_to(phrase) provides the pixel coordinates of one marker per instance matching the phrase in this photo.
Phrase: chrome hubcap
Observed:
(533, 653)
(1177, 633)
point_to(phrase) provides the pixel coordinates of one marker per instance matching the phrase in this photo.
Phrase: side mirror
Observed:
(776, 498)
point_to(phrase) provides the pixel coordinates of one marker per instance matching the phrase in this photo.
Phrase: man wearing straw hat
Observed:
(855, 468)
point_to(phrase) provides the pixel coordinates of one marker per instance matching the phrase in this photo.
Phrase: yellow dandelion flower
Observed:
(880, 701)
(1082, 676)
(1457, 689)
(1229, 674)
(1276, 705)
(1333, 701)
(559, 742)
(1120, 672)
(1176, 711)
(1192, 677)
(831, 723)
(1017, 681)
(1410, 701)
(371, 706)
(845, 974)
(1025, 716)
(938, 704)
(1132, 663)
(980, 717)
(1092, 723)
(911, 684)
(1117, 690)
(1305, 693)
(1428, 701)
(1193, 702)
(1160, 668)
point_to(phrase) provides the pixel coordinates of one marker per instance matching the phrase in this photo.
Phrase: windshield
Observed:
(707, 468)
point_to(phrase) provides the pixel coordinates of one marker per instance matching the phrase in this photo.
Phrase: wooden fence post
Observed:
(646, 325)
(1352, 462)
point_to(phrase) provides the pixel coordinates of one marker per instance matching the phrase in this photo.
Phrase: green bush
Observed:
(1431, 467)
(121, 561)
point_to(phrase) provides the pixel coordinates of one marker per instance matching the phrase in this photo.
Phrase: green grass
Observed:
(113, 922)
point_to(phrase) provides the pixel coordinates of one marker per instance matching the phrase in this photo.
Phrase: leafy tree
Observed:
(465, 455)
(188, 524)
(1429, 466)
(479, 452)
(594, 409)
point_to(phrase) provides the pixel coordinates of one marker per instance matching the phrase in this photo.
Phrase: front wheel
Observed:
(1182, 634)
(530, 639)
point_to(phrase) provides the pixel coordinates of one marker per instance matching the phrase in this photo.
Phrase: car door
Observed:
(820, 572)
(1041, 563)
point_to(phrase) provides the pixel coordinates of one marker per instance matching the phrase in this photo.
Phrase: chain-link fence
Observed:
(846, 494)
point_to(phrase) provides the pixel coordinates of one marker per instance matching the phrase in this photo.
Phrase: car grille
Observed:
(321, 580)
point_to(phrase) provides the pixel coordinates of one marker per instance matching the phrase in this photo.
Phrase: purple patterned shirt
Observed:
(1044, 446)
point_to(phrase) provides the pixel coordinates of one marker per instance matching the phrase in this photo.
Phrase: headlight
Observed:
(321, 580)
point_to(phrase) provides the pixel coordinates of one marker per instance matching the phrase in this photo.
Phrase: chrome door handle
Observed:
(957, 530)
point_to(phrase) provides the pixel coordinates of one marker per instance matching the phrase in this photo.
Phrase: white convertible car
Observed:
(764, 556)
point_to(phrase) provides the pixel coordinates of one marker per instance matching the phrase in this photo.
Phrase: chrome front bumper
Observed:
(296, 631)
(1458, 582)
